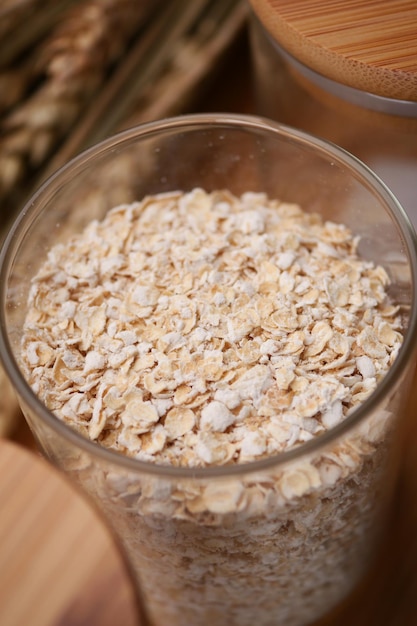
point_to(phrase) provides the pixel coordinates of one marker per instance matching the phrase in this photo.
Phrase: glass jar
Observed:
(345, 73)
(281, 540)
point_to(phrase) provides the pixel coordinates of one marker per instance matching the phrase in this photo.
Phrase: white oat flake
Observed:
(205, 329)
(215, 315)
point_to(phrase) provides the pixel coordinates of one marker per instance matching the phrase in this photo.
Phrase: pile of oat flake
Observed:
(197, 328)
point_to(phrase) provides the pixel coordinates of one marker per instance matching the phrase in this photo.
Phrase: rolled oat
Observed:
(198, 329)
(243, 323)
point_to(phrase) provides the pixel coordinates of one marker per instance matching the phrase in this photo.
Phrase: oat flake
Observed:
(200, 329)
(222, 318)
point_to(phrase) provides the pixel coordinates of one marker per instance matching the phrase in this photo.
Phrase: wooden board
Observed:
(59, 565)
(367, 44)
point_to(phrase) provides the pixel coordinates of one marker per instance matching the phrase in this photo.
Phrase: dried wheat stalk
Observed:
(13, 11)
(13, 85)
(76, 58)
(190, 64)
(23, 23)
(162, 73)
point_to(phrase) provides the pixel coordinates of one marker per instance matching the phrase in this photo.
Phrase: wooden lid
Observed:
(59, 564)
(367, 44)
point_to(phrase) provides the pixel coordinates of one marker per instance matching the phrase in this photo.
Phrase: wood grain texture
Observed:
(367, 44)
(59, 565)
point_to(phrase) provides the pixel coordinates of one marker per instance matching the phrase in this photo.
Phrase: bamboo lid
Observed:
(370, 45)
(59, 563)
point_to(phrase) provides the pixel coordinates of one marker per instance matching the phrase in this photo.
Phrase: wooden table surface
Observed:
(59, 565)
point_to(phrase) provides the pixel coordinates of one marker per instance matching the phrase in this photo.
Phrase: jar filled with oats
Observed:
(210, 323)
(347, 73)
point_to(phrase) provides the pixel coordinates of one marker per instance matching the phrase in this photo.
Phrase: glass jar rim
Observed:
(189, 122)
